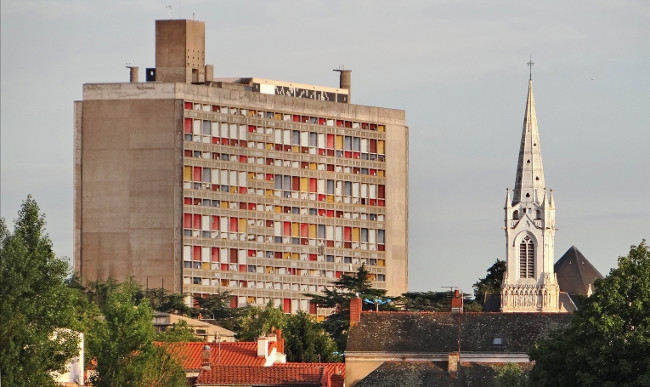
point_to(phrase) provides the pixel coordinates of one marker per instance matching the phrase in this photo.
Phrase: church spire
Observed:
(529, 284)
(529, 184)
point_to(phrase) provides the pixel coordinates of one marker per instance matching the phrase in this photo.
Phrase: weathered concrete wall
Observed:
(397, 194)
(126, 94)
(180, 51)
(130, 191)
(355, 370)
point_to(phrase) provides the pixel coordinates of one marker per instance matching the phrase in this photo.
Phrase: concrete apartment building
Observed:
(263, 188)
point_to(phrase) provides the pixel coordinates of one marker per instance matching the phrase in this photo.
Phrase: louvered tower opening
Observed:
(526, 258)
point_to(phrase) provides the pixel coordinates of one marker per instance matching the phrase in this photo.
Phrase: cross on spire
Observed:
(530, 68)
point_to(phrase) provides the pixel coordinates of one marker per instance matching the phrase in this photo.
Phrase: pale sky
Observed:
(457, 68)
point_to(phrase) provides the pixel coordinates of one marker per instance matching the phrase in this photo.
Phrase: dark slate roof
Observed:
(425, 374)
(415, 374)
(431, 332)
(575, 273)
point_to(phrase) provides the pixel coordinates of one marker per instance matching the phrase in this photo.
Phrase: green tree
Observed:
(307, 342)
(177, 332)
(215, 306)
(258, 321)
(345, 288)
(35, 303)
(121, 341)
(608, 341)
(491, 283)
(510, 375)
(162, 301)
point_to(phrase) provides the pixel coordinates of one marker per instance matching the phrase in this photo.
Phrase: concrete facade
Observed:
(263, 188)
(530, 284)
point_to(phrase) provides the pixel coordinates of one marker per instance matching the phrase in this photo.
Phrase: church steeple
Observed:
(529, 283)
(529, 183)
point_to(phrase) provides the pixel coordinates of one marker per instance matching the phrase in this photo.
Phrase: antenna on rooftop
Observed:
(171, 11)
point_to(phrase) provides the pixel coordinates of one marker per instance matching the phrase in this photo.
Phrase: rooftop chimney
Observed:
(280, 340)
(345, 81)
(355, 310)
(133, 76)
(262, 346)
(205, 356)
(457, 302)
(454, 359)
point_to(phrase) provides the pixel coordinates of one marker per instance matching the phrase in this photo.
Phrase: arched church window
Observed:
(526, 258)
(515, 215)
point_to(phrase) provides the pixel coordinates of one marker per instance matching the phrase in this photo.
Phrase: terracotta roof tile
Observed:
(270, 376)
(330, 368)
(190, 354)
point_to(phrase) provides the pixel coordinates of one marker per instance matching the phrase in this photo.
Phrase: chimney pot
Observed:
(457, 302)
(454, 359)
(355, 310)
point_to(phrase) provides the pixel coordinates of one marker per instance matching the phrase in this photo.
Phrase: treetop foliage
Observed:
(35, 304)
(345, 288)
(307, 342)
(608, 342)
(491, 283)
(259, 321)
(122, 341)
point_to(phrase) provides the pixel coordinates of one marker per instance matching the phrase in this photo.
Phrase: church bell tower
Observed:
(529, 283)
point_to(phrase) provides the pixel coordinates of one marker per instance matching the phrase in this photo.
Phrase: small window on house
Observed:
(497, 341)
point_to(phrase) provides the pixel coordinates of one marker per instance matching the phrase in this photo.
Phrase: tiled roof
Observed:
(412, 374)
(430, 332)
(421, 374)
(268, 376)
(330, 368)
(190, 354)
(574, 272)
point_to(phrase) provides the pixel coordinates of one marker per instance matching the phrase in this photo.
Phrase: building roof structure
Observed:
(251, 363)
(189, 354)
(439, 332)
(575, 274)
(425, 374)
(331, 368)
(266, 376)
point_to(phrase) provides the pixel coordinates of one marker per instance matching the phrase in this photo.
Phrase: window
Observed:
(526, 258)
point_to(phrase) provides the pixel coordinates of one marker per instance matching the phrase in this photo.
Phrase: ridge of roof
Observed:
(331, 368)
(274, 376)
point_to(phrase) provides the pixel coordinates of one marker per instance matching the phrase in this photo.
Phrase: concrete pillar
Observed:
(345, 81)
(209, 73)
(133, 76)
